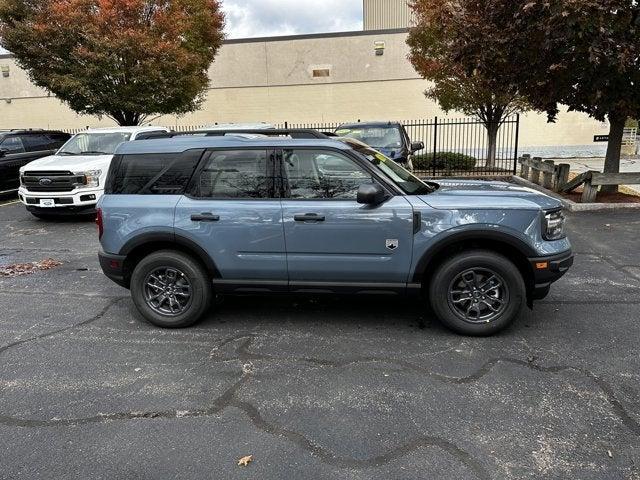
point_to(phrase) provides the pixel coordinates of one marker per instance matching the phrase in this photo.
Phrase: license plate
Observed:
(47, 202)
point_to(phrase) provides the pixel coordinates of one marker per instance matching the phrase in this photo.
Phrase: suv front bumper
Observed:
(547, 270)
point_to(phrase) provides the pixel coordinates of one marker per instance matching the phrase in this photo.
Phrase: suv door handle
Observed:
(309, 217)
(205, 217)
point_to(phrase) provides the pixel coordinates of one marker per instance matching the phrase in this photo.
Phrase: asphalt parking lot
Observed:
(315, 388)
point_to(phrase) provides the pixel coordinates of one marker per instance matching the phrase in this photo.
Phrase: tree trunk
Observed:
(614, 148)
(126, 119)
(492, 142)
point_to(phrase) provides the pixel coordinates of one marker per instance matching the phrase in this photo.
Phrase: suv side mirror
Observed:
(371, 194)
(415, 146)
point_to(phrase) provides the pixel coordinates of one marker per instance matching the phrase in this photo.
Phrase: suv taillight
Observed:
(99, 223)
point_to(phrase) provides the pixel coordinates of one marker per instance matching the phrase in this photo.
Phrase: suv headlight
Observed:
(91, 178)
(554, 225)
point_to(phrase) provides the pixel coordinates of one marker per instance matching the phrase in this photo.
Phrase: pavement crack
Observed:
(330, 458)
(96, 317)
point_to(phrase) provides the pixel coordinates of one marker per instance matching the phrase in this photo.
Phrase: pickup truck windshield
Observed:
(407, 181)
(387, 137)
(94, 143)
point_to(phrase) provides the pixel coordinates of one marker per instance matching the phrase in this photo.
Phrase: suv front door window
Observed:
(231, 212)
(329, 235)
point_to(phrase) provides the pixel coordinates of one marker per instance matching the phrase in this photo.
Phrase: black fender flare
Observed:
(468, 234)
(171, 238)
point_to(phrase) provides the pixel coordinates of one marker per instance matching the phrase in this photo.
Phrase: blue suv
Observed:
(188, 217)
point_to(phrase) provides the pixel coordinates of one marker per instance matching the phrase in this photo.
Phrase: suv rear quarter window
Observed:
(234, 174)
(152, 174)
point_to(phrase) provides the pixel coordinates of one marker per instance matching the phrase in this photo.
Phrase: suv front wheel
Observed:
(171, 289)
(477, 292)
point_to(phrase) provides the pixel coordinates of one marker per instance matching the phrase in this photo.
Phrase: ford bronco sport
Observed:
(184, 218)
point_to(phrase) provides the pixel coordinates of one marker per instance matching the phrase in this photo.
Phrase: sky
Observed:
(262, 18)
(259, 18)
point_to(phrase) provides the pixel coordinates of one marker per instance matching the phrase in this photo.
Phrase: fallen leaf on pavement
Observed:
(244, 461)
(18, 269)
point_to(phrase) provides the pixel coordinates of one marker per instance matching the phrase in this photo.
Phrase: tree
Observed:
(125, 59)
(460, 48)
(587, 57)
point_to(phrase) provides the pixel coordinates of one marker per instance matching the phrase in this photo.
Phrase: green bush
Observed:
(444, 161)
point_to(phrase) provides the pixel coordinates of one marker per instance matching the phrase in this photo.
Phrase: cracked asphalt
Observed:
(328, 388)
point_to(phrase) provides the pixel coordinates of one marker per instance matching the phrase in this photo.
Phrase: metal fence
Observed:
(455, 147)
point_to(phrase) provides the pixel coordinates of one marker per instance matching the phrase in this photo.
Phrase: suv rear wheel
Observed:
(477, 292)
(171, 289)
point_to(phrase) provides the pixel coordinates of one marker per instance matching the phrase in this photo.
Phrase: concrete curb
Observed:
(579, 207)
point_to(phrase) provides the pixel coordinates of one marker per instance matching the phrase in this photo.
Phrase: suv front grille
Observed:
(47, 181)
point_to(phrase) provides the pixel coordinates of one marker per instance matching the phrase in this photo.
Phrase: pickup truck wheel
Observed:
(171, 289)
(477, 293)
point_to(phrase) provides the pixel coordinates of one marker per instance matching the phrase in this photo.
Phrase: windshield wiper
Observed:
(94, 152)
(67, 153)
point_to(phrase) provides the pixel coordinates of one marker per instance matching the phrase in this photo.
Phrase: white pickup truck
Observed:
(72, 181)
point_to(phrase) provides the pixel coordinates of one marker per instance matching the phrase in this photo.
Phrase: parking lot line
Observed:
(9, 203)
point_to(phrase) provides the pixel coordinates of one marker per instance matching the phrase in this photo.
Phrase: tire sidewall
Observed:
(197, 276)
(439, 289)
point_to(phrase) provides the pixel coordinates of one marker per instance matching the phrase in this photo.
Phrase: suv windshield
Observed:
(386, 136)
(94, 143)
(407, 181)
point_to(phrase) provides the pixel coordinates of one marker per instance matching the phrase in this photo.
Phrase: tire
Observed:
(155, 273)
(483, 311)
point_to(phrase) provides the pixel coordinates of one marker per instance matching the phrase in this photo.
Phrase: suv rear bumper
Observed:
(113, 267)
(547, 270)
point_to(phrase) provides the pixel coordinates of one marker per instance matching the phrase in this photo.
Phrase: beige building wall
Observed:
(386, 14)
(273, 80)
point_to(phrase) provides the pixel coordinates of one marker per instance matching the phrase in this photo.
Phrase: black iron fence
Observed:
(456, 147)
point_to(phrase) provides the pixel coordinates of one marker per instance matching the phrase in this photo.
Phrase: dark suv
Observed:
(390, 138)
(19, 147)
(184, 218)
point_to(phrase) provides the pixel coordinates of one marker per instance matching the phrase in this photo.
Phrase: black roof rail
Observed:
(299, 133)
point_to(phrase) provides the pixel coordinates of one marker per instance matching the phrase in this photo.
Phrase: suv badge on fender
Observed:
(392, 244)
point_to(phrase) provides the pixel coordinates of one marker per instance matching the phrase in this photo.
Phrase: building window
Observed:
(321, 72)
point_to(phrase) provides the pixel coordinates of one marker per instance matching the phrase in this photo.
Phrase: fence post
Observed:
(535, 173)
(547, 177)
(435, 145)
(515, 157)
(562, 176)
(524, 169)
(589, 192)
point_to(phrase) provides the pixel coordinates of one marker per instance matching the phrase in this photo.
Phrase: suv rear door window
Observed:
(317, 174)
(235, 174)
(153, 174)
(36, 142)
(12, 145)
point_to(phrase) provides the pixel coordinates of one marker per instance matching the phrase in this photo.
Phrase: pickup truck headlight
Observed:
(554, 225)
(91, 178)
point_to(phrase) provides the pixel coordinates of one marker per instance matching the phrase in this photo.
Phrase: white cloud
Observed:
(259, 18)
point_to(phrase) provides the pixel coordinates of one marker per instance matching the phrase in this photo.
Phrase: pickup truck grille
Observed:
(43, 181)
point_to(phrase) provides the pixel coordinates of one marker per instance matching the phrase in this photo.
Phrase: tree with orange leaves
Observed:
(124, 59)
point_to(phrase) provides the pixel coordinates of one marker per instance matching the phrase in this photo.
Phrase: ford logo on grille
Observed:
(45, 181)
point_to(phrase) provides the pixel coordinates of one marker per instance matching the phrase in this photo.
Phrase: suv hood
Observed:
(478, 194)
(75, 163)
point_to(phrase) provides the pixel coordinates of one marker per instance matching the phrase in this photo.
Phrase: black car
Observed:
(19, 147)
(389, 138)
